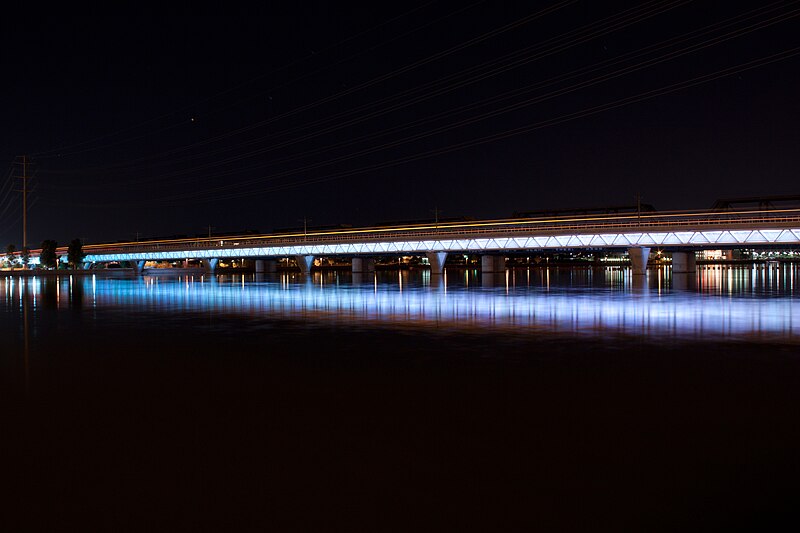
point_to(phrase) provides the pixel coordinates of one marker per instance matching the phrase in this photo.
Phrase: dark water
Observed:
(544, 400)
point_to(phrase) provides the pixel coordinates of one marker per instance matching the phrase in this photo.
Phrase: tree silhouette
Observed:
(47, 257)
(75, 253)
(11, 257)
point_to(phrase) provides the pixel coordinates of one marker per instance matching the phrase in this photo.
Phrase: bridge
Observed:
(680, 233)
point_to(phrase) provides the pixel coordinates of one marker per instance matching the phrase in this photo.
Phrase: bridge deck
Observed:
(646, 229)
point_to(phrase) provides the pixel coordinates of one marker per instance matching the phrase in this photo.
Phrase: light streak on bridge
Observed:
(601, 240)
(679, 231)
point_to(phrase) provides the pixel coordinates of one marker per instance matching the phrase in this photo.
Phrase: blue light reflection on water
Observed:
(743, 304)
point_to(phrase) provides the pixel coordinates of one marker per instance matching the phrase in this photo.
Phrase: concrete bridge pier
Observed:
(436, 260)
(266, 266)
(598, 273)
(684, 282)
(304, 262)
(363, 265)
(137, 266)
(492, 264)
(211, 265)
(639, 256)
(438, 282)
(493, 279)
(684, 263)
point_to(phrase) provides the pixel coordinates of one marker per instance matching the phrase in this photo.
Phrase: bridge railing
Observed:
(475, 230)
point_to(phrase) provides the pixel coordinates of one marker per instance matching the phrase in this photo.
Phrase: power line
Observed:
(786, 54)
(506, 109)
(614, 23)
(412, 138)
(369, 83)
(646, 95)
(65, 150)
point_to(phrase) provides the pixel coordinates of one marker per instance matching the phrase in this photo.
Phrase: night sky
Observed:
(162, 124)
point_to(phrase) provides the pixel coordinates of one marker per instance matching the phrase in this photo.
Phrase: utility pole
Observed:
(24, 191)
(24, 202)
(638, 208)
(305, 227)
(436, 216)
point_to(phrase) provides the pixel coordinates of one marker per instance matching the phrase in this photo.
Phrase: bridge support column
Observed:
(436, 259)
(492, 264)
(137, 266)
(684, 263)
(268, 266)
(683, 282)
(363, 264)
(211, 265)
(639, 256)
(304, 262)
(493, 279)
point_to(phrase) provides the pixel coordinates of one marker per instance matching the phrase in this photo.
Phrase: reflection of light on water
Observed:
(729, 279)
(524, 311)
(743, 304)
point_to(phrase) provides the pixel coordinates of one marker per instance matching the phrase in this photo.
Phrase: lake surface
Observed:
(564, 399)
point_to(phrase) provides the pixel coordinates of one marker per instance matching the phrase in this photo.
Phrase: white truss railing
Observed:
(698, 239)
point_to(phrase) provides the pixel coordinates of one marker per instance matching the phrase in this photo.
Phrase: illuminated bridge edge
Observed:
(758, 237)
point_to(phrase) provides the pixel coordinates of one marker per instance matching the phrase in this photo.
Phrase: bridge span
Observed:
(679, 233)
